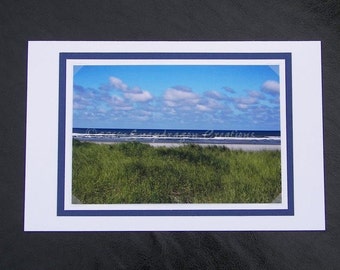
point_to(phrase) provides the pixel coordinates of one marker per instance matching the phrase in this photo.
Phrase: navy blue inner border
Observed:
(63, 57)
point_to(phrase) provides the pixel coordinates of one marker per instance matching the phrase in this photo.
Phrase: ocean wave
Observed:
(270, 140)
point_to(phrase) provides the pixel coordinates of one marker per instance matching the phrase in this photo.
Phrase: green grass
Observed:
(139, 173)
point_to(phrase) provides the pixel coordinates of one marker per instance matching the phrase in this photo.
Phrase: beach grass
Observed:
(134, 172)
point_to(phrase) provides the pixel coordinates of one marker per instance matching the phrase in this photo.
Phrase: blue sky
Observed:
(228, 97)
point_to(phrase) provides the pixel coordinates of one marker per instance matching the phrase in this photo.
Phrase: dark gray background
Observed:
(21, 21)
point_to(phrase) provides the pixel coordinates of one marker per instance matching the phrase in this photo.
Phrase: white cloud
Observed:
(142, 96)
(174, 94)
(145, 113)
(134, 94)
(119, 104)
(118, 84)
(170, 103)
(102, 110)
(135, 89)
(78, 106)
(84, 98)
(256, 94)
(252, 98)
(209, 104)
(214, 94)
(117, 101)
(168, 111)
(181, 97)
(246, 100)
(203, 108)
(242, 106)
(271, 87)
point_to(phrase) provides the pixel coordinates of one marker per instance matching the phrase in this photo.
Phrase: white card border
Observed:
(41, 149)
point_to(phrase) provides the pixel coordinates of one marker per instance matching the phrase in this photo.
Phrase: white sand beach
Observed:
(244, 147)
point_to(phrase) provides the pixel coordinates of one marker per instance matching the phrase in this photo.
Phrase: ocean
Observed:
(178, 136)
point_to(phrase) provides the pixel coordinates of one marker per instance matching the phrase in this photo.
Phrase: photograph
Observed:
(176, 134)
(173, 136)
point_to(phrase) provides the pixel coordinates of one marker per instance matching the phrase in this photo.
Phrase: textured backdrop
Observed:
(21, 21)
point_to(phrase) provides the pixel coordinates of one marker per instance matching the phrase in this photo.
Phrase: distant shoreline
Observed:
(244, 147)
